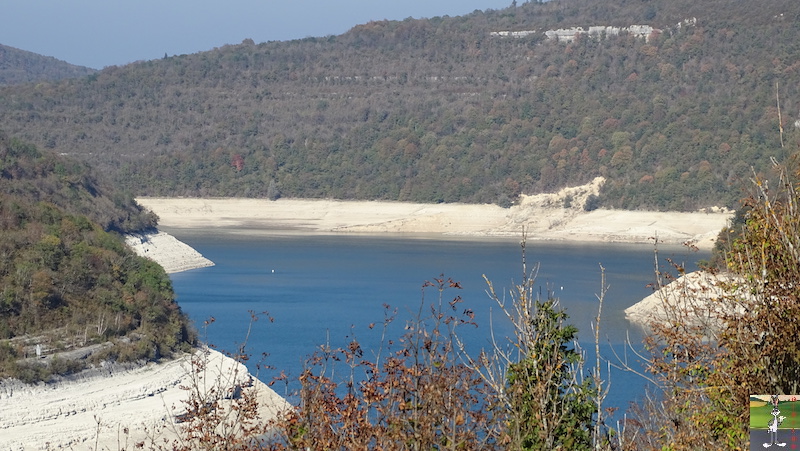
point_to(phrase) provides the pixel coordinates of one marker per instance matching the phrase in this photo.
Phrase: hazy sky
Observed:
(99, 33)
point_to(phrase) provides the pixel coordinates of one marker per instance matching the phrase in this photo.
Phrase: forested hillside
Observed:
(68, 282)
(443, 109)
(18, 66)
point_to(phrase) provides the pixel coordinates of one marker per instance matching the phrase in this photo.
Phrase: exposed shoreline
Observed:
(697, 298)
(97, 405)
(166, 250)
(543, 216)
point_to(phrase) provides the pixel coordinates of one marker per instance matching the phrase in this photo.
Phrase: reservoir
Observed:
(327, 289)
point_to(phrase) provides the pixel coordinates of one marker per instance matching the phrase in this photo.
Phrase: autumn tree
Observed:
(537, 379)
(711, 353)
(419, 396)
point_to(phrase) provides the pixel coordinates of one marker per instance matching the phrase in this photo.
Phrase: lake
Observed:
(326, 288)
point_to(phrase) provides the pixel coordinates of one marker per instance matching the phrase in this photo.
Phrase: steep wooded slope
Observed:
(69, 284)
(442, 110)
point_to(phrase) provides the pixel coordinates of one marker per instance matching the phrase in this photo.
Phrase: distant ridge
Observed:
(443, 110)
(20, 66)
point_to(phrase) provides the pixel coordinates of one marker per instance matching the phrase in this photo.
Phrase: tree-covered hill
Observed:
(19, 66)
(35, 176)
(68, 282)
(444, 109)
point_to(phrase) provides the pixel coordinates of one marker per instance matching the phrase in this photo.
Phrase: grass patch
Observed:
(760, 415)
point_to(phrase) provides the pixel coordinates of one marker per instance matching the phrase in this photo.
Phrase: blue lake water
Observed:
(326, 288)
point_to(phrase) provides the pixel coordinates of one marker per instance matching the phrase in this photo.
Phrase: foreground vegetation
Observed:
(69, 283)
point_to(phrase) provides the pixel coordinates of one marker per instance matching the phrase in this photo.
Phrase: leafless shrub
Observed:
(420, 396)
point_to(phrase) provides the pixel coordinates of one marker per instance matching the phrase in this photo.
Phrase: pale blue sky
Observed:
(100, 33)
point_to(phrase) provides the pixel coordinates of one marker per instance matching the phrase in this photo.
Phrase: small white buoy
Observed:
(273, 271)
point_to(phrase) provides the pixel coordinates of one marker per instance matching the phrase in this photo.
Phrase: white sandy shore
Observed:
(696, 298)
(65, 415)
(544, 216)
(173, 255)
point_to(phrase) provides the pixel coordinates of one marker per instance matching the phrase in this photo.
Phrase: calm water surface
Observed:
(327, 288)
